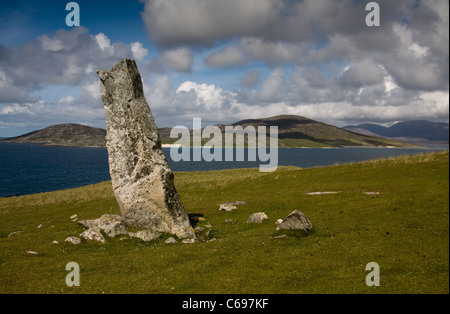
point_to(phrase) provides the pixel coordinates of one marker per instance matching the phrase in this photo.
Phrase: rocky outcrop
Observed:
(142, 181)
(145, 235)
(297, 221)
(112, 225)
(93, 234)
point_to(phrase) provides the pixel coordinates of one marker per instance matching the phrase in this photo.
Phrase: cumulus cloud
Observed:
(180, 59)
(228, 57)
(189, 22)
(66, 58)
(277, 32)
(250, 78)
(311, 58)
(362, 73)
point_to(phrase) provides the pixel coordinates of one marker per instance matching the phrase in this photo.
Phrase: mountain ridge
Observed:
(413, 130)
(293, 131)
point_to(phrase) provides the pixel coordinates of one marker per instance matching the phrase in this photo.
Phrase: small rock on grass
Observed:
(189, 240)
(296, 220)
(171, 240)
(73, 240)
(14, 233)
(257, 218)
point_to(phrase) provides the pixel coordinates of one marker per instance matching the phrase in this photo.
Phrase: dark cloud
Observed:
(362, 74)
(251, 78)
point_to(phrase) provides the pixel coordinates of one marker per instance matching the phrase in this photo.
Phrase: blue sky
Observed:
(224, 61)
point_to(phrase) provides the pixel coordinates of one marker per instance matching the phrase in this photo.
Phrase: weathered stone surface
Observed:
(257, 218)
(145, 235)
(112, 225)
(73, 240)
(171, 240)
(296, 220)
(142, 181)
(189, 240)
(93, 234)
(230, 205)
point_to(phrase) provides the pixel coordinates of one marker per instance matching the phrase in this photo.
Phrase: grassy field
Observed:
(404, 228)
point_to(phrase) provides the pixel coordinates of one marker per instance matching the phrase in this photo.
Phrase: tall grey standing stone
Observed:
(142, 180)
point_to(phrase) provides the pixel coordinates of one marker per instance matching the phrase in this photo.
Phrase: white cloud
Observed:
(179, 59)
(139, 52)
(49, 44)
(104, 43)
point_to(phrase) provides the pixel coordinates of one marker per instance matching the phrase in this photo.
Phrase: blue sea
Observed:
(28, 168)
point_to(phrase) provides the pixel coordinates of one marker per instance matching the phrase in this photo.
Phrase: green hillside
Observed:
(394, 212)
(297, 131)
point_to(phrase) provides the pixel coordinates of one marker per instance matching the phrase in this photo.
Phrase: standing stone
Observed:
(142, 181)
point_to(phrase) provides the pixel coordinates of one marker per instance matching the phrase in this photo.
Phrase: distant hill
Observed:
(293, 131)
(298, 131)
(408, 130)
(69, 134)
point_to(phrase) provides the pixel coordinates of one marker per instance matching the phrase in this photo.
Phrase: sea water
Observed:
(29, 168)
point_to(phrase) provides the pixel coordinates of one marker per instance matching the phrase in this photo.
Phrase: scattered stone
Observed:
(296, 220)
(73, 216)
(146, 235)
(322, 193)
(39, 227)
(280, 236)
(73, 240)
(199, 229)
(189, 240)
(32, 252)
(208, 226)
(14, 233)
(89, 223)
(372, 193)
(257, 218)
(227, 207)
(279, 221)
(112, 225)
(171, 240)
(55, 242)
(229, 221)
(142, 180)
(201, 219)
(230, 205)
(93, 234)
(211, 240)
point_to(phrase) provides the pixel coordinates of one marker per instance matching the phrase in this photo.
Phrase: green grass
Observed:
(405, 229)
